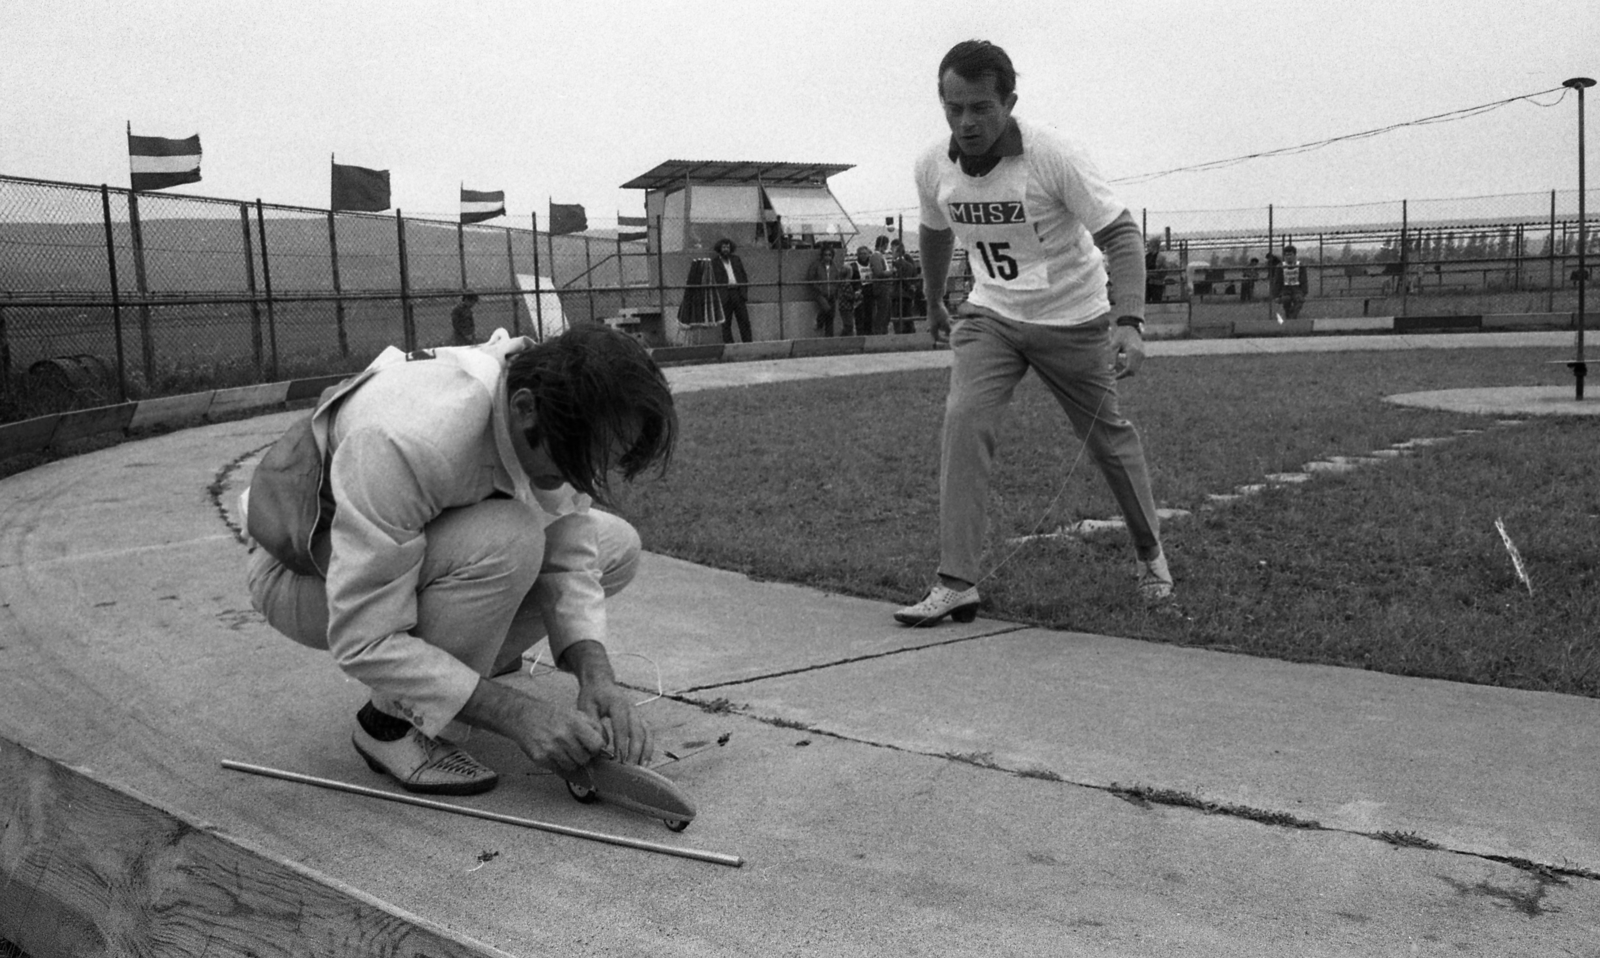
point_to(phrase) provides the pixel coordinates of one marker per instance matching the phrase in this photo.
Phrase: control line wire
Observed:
(1452, 116)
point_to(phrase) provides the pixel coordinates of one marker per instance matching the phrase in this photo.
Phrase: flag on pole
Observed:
(567, 218)
(360, 189)
(155, 162)
(480, 205)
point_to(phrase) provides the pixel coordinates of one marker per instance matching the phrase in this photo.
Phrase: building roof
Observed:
(675, 172)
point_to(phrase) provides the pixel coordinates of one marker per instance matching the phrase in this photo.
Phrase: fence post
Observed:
(588, 275)
(1405, 260)
(266, 281)
(622, 279)
(338, 289)
(5, 360)
(661, 274)
(1550, 257)
(148, 348)
(250, 279)
(555, 286)
(408, 321)
(461, 252)
(511, 268)
(116, 307)
(538, 288)
(1272, 305)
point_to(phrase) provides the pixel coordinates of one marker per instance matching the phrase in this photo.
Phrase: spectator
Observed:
(462, 327)
(1154, 279)
(1039, 302)
(826, 280)
(1289, 284)
(730, 279)
(869, 274)
(449, 530)
(907, 284)
(1247, 285)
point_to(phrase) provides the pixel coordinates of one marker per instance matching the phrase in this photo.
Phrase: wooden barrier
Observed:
(88, 870)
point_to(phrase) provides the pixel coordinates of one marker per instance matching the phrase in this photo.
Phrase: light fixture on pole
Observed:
(1580, 368)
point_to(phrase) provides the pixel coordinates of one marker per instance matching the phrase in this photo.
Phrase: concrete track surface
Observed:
(975, 789)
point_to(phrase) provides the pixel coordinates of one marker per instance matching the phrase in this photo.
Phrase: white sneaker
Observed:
(434, 766)
(1155, 579)
(938, 603)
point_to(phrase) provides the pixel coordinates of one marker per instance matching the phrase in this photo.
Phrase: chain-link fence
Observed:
(107, 295)
(1514, 253)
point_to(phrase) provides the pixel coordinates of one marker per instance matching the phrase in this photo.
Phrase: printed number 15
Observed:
(996, 261)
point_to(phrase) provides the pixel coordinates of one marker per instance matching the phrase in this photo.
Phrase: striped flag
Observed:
(480, 205)
(631, 221)
(155, 162)
(360, 189)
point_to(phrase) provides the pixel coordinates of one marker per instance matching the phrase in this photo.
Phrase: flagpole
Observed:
(461, 241)
(550, 237)
(538, 290)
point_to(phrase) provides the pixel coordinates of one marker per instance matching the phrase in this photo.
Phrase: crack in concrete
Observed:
(800, 670)
(1147, 797)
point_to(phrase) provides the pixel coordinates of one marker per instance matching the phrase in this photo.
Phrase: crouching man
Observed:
(430, 522)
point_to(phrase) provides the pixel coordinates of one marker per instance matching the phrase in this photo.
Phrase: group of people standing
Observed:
(867, 296)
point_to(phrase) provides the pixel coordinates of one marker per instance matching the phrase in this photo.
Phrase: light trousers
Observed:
(990, 356)
(475, 596)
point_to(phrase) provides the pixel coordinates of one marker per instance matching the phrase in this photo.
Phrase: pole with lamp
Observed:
(1579, 367)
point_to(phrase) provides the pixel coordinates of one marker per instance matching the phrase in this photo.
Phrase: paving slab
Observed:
(1504, 401)
(1360, 751)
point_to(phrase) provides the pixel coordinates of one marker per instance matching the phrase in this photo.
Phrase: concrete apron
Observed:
(894, 791)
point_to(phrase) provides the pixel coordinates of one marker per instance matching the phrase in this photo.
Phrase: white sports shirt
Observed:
(1026, 226)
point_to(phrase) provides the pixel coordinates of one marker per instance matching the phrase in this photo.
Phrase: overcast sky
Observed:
(567, 101)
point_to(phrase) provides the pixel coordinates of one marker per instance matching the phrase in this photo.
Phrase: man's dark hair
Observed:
(1290, 249)
(730, 244)
(972, 60)
(593, 389)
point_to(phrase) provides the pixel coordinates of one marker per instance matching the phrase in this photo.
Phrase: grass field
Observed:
(1396, 567)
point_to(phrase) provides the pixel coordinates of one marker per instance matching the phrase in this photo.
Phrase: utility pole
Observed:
(1579, 367)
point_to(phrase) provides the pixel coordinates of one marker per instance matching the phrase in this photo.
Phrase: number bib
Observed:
(990, 217)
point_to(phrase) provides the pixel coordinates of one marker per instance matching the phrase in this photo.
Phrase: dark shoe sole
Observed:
(962, 614)
(465, 788)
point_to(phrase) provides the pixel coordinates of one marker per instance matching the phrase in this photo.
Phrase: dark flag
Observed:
(567, 218)
(478, 205)
(155, 162)
(360, 189)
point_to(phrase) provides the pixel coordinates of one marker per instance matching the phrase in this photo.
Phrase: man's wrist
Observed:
(1132, 322)
(587, 660)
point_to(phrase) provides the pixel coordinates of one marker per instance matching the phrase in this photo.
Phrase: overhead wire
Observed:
(1449, 117)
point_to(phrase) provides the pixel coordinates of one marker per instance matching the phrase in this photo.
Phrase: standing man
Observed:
(868, 275)
(463, 330)
(824, 278)
(1030, 209)
(1289, 284)
(730, 279)
(906, 285)
(430, 522)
